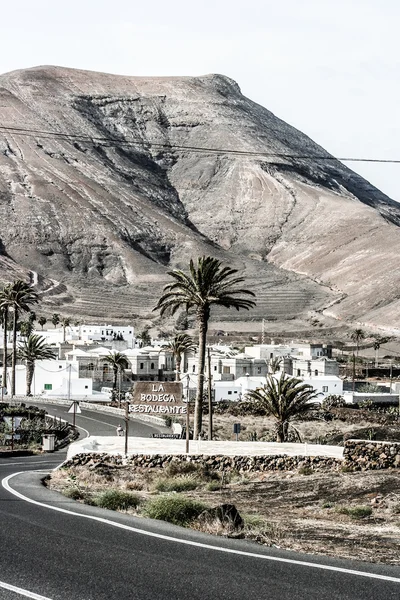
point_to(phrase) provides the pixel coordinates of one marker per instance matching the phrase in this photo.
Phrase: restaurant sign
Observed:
(158, 398)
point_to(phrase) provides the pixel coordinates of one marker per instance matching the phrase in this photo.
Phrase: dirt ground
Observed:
(318, 513)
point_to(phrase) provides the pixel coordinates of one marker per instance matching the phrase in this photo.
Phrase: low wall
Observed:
(359, 455)
(362, 455)
(216, 463)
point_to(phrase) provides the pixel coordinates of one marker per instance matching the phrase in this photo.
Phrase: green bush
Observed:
(116, 500)
(175, 509)
(213, 486)
(181, 468)
(355, 512)
(175, 484)
(74, 493)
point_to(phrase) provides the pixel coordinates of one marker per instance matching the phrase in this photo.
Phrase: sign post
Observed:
(74, 409)
(126, 426)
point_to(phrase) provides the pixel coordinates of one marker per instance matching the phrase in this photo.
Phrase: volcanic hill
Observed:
(107, 182)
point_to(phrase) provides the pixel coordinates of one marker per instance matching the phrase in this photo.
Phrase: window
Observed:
(229, 393)
(226, 370)
(60, 366)
(152, 366)
(324, 388)
(244, 370)
(271, 355)
(86, 387)
(141, 365)
(194, 368)
(316, 372)
(298, 372)
(258, 370)
(215, 367)
(48, 386)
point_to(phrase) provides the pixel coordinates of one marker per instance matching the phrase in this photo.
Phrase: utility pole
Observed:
(187, 414)
(263, 331)
(210, 406)
(354, 373)
(391, 375)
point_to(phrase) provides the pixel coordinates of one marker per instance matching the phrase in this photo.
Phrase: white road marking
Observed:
(26, 593)
(36, 462)
(6, 485)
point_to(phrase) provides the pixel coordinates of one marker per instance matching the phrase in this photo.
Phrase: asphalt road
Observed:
(55, 549)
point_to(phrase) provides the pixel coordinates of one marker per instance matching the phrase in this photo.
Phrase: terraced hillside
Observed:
(107, 182)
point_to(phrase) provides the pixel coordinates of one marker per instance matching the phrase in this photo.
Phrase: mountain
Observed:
(107, 182)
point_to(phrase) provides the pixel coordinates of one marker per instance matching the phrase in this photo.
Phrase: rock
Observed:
(226, 514)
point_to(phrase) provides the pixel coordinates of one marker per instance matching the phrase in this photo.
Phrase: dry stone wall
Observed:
(359, 455)
(363, 455)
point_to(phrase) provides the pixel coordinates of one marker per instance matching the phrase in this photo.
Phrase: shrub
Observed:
(74, 493)
(176, 484)
(305, 471)
(181, 468)
(175, 509)
(214, 486)
(116, 500)
(355, 512)
(327, 505)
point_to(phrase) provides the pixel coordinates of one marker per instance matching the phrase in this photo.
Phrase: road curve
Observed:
(80, 552)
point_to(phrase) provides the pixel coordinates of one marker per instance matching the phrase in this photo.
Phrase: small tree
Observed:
(144, 337)
(55, 319)
(274, 364)
(65, 323)
(285, 399)
(42, 322)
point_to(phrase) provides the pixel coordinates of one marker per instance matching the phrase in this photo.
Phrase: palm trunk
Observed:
(202, 320)
(376, 358)
(115, 379)
(280, 436)
(14, 352)
(5, 337)
(30, 368)
(178, 368)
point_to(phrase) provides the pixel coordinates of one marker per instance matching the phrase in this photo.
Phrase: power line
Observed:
(107, 141)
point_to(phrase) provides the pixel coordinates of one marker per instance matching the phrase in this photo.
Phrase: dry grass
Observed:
(318, 513)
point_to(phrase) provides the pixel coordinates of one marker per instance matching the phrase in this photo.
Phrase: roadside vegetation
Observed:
(339, 513)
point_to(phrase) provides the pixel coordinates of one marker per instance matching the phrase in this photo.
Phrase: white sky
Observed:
(329, 67)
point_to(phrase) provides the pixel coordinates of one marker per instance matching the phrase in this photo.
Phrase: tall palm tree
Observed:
(42, 322)
(4, 307)
(180, 343)
(26, 327)
(20, 299)
(31, 350)
(285, 399)
(274, 364)
(207, 283)
(357, 336)
(118, 362)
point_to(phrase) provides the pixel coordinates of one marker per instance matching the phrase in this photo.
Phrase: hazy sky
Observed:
(331, 68)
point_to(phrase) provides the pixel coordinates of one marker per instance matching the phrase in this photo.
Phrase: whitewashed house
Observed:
(58, 378)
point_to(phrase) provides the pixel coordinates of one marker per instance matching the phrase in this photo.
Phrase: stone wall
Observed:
(362, 455)
(359, 455)
(216, 463)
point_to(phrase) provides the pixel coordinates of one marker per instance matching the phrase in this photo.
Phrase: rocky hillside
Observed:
(106, 182)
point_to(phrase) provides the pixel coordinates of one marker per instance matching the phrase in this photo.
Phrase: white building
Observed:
(54, 378)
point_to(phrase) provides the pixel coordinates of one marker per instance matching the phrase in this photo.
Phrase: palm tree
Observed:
(357, 336)
(285, 399)
(33, 349)
(274, 364)
(26, 328)
(55, 319)
(118, 362)
(144, 337)
(4, 308)
(206, 284)
(65, 322)
(20, 298)
(42, 322)
(180, 343)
